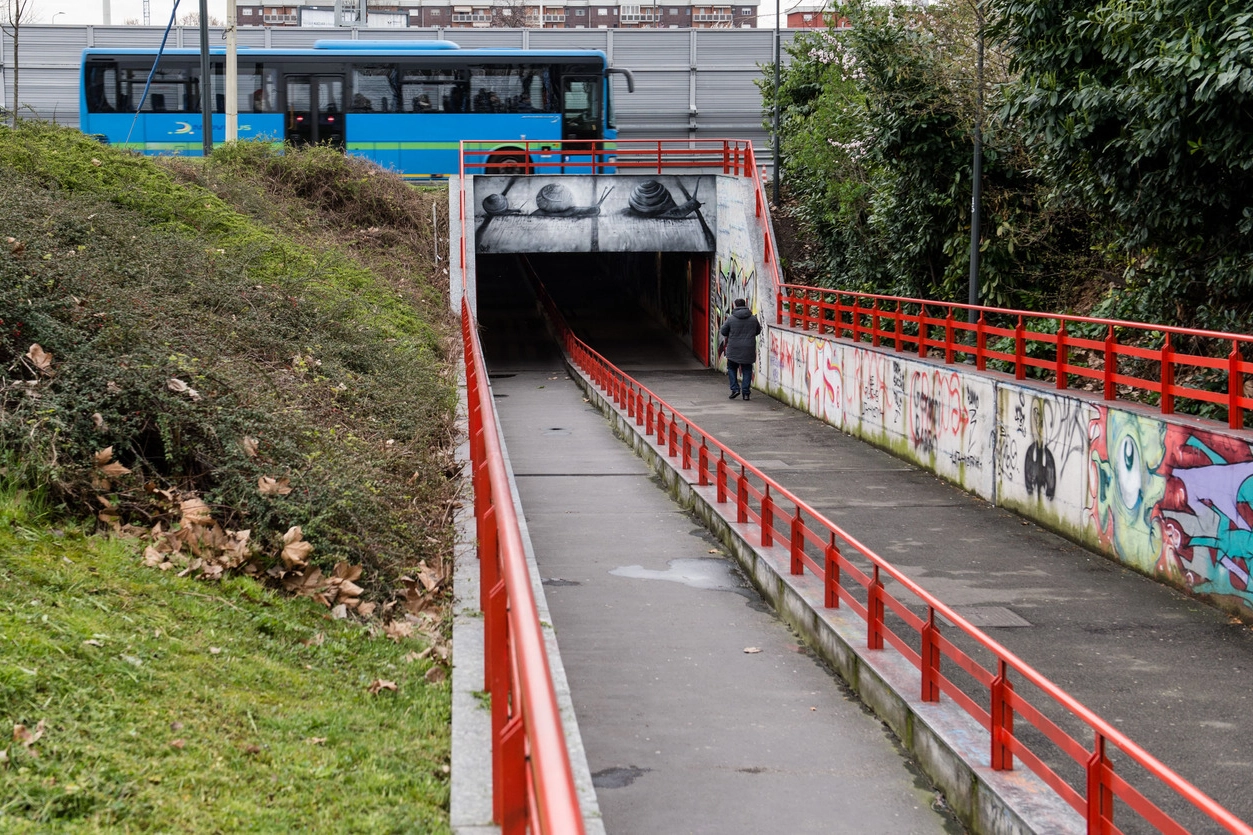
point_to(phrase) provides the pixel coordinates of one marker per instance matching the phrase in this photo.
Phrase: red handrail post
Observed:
(837, 326)
(648, 426)
(1235, 388)
(948, 337)
(672, 448)
(630, 403)
(1168, 377)
(720, 477)
(661, 427)
(1063, 356)
(898, 341)
(798, 543)
(831, 576)
(922, 331)
(1020, 351)
(874, 323)
(741, 497)
(1002, 715)
(687, 447)
(767, 519)
(702, 463)
(856, 319)
(513, 817)
(874, 612)
(930, 658)
(1100, 796)
(496, 653)
(1111, 363)
(981, 343)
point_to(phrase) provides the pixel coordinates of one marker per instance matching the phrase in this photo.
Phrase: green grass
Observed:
(278, 731)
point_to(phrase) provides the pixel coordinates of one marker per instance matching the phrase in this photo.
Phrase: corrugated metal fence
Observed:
(690, 83)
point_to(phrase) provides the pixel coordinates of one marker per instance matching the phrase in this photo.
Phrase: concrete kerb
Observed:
(950, 746)
(471, 801)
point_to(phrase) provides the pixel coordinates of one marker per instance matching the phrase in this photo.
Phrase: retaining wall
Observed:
(1169, 496)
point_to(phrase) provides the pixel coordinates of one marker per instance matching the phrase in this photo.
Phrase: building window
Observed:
(674, 11)
(746, 11)
(602, 12)
(578, 12)
(433, 12)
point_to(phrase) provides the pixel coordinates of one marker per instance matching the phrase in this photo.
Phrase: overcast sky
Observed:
(92, 11)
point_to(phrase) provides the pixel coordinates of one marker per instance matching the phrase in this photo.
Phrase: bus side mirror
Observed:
(630, 79)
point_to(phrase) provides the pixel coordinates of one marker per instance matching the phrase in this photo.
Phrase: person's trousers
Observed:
(737, 371)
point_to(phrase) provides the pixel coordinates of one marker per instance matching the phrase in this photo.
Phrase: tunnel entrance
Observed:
(638, 309)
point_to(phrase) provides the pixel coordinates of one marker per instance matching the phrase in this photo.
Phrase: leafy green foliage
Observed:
(877, 138)
(1142, 111)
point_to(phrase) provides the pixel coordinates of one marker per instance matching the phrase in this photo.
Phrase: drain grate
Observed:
(991, 616)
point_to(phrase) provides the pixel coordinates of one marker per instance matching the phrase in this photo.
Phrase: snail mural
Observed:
(601, 213)
(653, 200)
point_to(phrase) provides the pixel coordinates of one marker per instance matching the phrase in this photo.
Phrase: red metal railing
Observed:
(1000, 693)
(532, 782)
(1104, 355)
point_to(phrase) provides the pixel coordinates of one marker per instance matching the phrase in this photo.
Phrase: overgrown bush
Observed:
(207, 348)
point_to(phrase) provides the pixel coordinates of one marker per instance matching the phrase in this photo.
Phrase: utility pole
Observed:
(206, 80)
(232, 73)
(976, 188)
(778, 54)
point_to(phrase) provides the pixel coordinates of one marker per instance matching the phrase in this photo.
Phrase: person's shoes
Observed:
(746, 397)
(734, 394)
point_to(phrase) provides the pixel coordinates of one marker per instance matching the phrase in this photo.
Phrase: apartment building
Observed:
(571, 14)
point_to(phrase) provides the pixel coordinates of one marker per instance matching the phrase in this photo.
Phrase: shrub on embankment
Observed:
(210, 349)
(239, 368)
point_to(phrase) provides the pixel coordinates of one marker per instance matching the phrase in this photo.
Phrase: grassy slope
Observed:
(225, 669)
(297, 296)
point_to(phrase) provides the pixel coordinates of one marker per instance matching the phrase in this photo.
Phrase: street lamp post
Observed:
(54, 17)
(976, 186)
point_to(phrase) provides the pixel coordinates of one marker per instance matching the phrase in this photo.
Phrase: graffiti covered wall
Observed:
(735, 273)
(1166, 498)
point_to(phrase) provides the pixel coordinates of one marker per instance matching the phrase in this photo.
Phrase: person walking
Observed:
(739, 335)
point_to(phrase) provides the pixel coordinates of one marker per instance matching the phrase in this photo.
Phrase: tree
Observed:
(14, 14)
(193, 19)
(510, 14)
(1143, 110)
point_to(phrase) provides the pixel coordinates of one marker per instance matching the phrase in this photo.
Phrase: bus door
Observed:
(315, 109)
(581, 118)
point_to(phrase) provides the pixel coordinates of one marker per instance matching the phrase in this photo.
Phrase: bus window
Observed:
(581, 105)
(258, 89)
(372, 90)
(100, 86)
(432, 91)
(168, 93)
(524, 88)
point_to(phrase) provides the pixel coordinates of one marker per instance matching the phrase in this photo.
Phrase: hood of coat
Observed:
(741, 313)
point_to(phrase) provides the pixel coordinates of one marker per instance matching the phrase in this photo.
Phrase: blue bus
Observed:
(405, 104)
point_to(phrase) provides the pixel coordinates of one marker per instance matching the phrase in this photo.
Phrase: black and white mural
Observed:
(660, 213)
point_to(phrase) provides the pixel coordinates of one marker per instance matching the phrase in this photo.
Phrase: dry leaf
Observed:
(179, 387)
(366, 609)
(316, 641)
(41, 359)
(92, 643)
(28, 737)
(436, 674)
(215, 650)
(398, 630)
(273, 486)
(339, 612)
(16, 247)
(98, 420)
(380, 684)
(195, 512)
(250, 445)
(180, 744)
(252, 749)
(410, 657)
(317, 740)
(752, 650)
(295, 551)
(96, 162)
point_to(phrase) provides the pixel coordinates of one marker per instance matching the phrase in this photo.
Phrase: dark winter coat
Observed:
(740, 333)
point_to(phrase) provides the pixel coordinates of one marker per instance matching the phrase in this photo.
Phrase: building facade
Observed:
(564, 14)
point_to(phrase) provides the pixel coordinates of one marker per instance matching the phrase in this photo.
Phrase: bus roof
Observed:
(387, 49)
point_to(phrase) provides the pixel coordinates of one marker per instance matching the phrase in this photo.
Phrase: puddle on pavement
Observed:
(697, 573)
(618, 777)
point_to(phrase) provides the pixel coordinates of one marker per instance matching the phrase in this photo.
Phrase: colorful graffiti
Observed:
(1176, 501)
(735, 279)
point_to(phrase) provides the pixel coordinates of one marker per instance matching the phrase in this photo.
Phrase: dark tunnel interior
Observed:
(639, 310)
